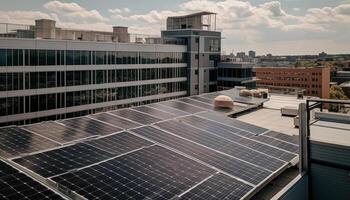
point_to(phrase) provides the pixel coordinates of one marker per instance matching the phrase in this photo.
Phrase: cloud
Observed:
(74, 12)
(119, 11)
(296, 9)
(22, 17)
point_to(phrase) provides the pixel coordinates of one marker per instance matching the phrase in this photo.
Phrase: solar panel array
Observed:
(181, 149)
(16, 185)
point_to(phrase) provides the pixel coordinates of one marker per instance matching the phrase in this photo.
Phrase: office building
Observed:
(313, 81)
(49, 72)
(232, 74)
(198, 32)
(241, 54)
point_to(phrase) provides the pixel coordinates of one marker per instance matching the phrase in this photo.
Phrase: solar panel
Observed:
(182, 106)
(115, 120)
(61, 160)
(171, 110)
(230, 165)
(284, 137)
(204, 100)
(220, 144)
(119, 143)
(197, 103)
(150, 173)
(233, 122)
(219, 186)
(232, 134)
(277, 143)
(16, 185)
(136, 116)
(155, 112)
(91, 126)
(15, 141)
(57, 132)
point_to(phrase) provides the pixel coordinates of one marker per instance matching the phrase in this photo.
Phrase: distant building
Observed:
(241, 54)
(315, 81)
(252, 54)
(346, 88)
(341, 77)
(231, 74)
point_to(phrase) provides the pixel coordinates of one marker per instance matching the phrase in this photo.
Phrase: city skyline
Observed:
(286, 27)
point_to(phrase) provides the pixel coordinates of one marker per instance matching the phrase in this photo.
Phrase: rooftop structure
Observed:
(199, 21)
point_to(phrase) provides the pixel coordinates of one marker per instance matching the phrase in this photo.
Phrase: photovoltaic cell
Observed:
(233, 134)
(15, 141)
(233, 122)
(90, 125)
(62, 160)
(197, 103)
(150, 173)
(204, 100)
(167, 109)
(119, 143)
(57, 132)
(277, 143)
(16, 185)
(220, 186)
(230, 165)
(136, 116)
(220, 144)
(115, 120)
(182, 106)
(284, 137)
(155, 112)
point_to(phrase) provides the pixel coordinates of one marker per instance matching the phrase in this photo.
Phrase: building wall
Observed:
(314, 80)
(203, 53)
(52, 79)
(231, 75)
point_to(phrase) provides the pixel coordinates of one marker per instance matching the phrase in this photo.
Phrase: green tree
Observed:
(336, 92)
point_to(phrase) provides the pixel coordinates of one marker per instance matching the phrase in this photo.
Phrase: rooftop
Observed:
(132, 152)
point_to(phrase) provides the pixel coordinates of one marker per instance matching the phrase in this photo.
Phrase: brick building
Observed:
(314, 81)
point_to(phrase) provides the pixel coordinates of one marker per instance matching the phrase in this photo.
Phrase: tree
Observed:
(336, 92)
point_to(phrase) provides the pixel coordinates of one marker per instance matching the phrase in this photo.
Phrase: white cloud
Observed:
(296, 9)
(23, 17)
(74, 12)
(119, 11)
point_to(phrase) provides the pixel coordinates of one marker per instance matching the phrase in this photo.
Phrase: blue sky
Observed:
(267, 26)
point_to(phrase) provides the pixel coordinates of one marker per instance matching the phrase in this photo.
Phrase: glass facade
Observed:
(43, 57)
(52, 79)
(49, 78)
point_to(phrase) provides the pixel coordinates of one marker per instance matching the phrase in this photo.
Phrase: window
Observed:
(3, 57)
(196, 56)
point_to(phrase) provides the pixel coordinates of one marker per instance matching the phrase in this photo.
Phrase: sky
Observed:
(284, 27)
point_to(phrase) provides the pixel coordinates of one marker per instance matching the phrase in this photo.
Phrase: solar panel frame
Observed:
(136, 116)
(168, 109)
(61, 160)
(15, 141)
(241, 170)
(57, 132)
(149, 173)
(222, 145)
(154, 112)
(116, 120)
(201, 99)
(90, 125)
(233, 122)
(233, 134)
(219, 186)
(119, 143)
(16, 185)
(197, 103)
(182, 106)
(283, 137)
